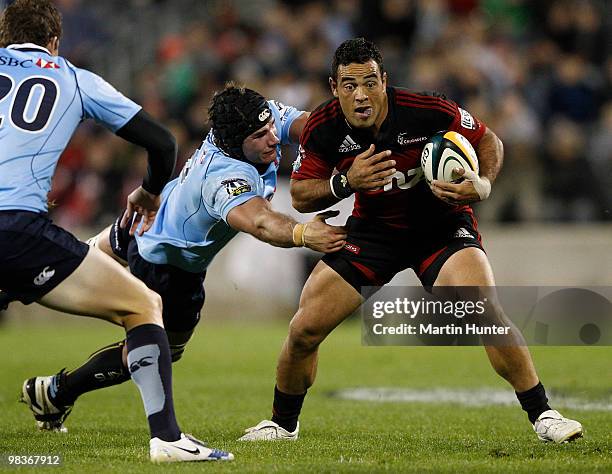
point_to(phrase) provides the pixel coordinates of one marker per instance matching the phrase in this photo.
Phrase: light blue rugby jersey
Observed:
(43, 98)
(191, 225)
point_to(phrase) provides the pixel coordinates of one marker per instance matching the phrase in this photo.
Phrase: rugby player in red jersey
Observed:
(372, 135)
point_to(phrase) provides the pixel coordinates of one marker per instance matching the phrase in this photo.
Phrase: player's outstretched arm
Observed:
(161, 148)
(368, 172)
(473, 188)
(257, 218)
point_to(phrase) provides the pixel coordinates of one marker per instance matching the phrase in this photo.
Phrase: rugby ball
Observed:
(444, 152)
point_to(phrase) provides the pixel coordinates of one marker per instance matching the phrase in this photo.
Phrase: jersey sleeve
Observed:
(102, 102)
(287, 115)
(310, 162)
(467, 125)
(222, 192)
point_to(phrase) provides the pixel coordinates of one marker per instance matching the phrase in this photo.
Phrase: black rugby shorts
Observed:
(374, 252)
(35, 255)
(182, 292)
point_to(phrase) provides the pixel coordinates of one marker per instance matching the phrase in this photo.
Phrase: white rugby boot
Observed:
(185, 449)
(34, 393)
(267, 430)
(551, 426)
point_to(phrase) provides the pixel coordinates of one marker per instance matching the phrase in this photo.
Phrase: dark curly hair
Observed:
(356, 50)
(30, 21)
(235, 113)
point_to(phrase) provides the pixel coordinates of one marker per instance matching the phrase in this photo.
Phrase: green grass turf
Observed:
(224, 383)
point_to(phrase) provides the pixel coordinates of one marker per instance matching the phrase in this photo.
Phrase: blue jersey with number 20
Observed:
(42, 100)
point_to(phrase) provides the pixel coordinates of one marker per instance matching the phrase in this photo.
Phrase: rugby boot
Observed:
(551, 426)
(267, 430)
(185, 449)
(35, 394)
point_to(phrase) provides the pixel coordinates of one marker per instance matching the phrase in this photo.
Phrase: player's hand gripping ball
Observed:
(443, 153)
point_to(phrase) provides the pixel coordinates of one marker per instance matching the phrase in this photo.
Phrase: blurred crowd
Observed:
(538, 72)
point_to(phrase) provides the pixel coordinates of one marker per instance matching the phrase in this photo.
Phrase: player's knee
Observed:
(303, 338)
(150, 307)
(156, 306)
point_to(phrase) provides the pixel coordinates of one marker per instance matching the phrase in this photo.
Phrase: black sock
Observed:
(534, 401)
(104, 368)
(286, 409)
(150, 366)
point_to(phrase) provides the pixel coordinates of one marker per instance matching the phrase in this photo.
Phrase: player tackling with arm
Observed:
(373, 136)
(223, 189)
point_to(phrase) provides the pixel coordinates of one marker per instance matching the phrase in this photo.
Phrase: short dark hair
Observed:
(356, 50)
(30, 21)
(235, 113)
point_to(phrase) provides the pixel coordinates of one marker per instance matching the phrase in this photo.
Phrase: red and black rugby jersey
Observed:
(329, 142)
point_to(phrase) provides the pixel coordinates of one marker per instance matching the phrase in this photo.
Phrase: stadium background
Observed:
(537, 72)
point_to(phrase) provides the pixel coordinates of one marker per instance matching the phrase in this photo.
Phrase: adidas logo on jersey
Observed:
(44, 276)
(462, 234)
(348, 145)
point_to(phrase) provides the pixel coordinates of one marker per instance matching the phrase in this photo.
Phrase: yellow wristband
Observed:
(304, 234)
(298, 234)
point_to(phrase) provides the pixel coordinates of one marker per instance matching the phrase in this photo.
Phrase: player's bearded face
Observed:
(260, 146)
(361, 90)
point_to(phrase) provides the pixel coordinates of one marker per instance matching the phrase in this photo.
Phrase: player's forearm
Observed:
(490, 151)
(161, 147)
(275, 229)
(311, 195)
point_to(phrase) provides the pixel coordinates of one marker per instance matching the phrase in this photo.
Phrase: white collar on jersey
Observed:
(28, 45)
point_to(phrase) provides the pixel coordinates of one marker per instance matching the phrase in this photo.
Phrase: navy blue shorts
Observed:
(182, 292)
(35, 255)
(374, 253)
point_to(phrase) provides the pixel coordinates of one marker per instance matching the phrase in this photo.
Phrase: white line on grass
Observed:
(466, 397)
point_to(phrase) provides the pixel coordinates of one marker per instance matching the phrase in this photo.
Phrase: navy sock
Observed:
(534, 401)
(150, 366)
(104, 368)
(286, 409)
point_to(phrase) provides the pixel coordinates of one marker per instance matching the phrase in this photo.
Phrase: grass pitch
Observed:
(224, 384)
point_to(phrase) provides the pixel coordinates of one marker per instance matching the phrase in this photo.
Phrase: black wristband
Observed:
(340, 186)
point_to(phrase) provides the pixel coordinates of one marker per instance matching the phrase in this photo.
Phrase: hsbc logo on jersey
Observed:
(236, 186)
(8, 61)
(44, 64)
(467, 121)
